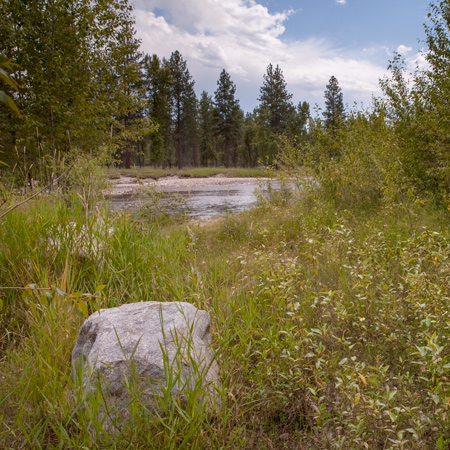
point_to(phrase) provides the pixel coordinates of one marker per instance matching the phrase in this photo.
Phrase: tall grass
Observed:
(330, 325)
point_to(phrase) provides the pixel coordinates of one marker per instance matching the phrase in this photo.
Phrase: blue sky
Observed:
(311, 40)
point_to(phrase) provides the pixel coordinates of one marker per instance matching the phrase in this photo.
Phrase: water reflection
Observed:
(201, 202)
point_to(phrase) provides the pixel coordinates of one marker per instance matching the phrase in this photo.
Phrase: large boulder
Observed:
(144, 351)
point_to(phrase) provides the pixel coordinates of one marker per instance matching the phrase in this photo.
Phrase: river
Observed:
(199, 198)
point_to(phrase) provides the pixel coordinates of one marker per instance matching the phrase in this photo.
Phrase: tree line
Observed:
(74, 70)
(84, 87)
(213, 130)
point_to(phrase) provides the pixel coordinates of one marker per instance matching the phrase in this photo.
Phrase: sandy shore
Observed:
(129, 185)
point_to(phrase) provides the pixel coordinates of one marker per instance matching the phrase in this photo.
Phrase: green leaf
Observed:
(60, 292)
(100, 288)
(83, 308)
(8, 101)
(8, 80)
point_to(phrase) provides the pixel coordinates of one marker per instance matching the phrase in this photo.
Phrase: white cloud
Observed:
(417, 61)
(243, 37)
(341, 2)
(403, 49)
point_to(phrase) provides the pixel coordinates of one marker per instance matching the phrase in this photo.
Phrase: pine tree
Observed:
(126, 91)
(206, 129)
(249, 138)
(158, 85)
(182, 97)
(227, 115)
(334, 104)
(275, 108)
(303, 115)
(190, 125)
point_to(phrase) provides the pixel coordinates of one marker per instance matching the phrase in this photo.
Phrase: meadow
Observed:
(330, 322)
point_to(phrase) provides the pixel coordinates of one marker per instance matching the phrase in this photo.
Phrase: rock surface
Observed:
(130, 185)
(125, 352)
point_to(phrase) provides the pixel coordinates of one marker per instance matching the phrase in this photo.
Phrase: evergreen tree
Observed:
(303, 115)
(236, 136)
(190, 125)
(334, 104)
(158, 85)
(227, 114)
(249, 138)
(127, 92)
(182, 100)
(275, 108)
(206, 129)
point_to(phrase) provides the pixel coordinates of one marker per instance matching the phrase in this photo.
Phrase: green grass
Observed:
(200, 172)
(331, 325)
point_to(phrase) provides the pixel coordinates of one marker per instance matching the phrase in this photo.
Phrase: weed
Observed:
(330, 323)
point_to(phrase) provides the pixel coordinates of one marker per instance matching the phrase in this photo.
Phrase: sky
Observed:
(311, 40)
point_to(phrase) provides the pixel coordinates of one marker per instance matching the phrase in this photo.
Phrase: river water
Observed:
(201, 201)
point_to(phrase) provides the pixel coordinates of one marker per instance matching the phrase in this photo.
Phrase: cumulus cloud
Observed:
(403, 49)
(417, 62)
(243, 37)
(341, 2)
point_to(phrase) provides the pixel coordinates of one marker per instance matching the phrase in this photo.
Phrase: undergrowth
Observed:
(330, 323)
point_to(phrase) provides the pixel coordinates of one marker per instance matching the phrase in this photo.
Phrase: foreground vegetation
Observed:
(330, 322)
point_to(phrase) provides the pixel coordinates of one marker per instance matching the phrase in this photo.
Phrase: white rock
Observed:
(127, 351)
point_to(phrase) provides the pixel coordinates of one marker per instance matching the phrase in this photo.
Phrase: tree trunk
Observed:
(195, 161)
(227, 153)
(127, 159)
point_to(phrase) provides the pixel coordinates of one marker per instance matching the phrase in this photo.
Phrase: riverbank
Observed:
(190, 172)
(129, 185)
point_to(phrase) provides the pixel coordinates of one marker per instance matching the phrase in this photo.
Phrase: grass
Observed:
(331, 325)
(200, 172)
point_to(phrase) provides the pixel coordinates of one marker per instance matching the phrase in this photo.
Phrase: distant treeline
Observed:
(84, 90)
(85, 87)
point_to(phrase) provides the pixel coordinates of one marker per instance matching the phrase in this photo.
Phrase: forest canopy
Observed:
(83, 86)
